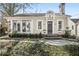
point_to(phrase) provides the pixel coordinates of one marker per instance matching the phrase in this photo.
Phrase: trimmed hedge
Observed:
(26, 35)
(67, 34)
(70, 36)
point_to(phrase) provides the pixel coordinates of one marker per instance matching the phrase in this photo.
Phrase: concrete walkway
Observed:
(61, 42)
(51, 42)
(58, 42)
(6, 36)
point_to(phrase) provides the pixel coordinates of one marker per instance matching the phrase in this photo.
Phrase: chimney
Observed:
(62, 8)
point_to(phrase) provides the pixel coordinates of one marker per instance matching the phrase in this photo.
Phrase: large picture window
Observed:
(39, 24)
(59, 25)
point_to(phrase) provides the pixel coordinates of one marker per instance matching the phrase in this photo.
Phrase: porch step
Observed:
(52, 36)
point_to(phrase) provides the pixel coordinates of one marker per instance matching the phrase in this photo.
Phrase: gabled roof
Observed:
(75, 20)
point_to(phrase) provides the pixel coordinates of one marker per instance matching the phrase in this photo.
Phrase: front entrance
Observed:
(49, 27)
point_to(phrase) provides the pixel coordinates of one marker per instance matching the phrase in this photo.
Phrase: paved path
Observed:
(61, 42)
(6, 36)
(51, 42)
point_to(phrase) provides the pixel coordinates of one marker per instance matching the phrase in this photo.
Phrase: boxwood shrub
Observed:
(17, 35)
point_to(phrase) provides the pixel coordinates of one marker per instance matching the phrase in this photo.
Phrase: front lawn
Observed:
(18, 48)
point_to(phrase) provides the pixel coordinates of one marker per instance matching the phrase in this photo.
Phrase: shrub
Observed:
(7, 47)
(16, 35)
(67, 34)
(38, 49)
(73, 50)
(35, 49)
(2, 31)
(73, 37)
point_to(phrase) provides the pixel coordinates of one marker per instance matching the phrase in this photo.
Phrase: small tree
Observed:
(67, 33)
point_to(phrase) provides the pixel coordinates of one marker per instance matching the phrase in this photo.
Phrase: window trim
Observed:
(59, 29)
(14, 26)
(40, 25)
(23, 26)
(18, 27)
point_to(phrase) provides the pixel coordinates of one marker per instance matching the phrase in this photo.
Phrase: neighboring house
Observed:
(35, 23)
(74, 25)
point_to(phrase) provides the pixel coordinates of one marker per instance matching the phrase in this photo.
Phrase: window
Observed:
(39, 25)
(24, 26)
(18, 27)
(28, 26)
(72, 27)
(59, 25)
(14, 26)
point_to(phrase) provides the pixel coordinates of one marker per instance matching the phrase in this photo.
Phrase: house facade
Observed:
(46, 23)
(35, 23)
(74, 26)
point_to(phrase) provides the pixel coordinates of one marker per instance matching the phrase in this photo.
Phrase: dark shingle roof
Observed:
(75, 20)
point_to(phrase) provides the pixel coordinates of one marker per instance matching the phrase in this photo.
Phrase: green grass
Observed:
(36, 49)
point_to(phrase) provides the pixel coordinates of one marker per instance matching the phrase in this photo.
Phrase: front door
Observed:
(49, 27)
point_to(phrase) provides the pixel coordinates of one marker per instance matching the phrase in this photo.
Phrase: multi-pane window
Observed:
(18, 27)
(14, 26)
(24, 26)
(40, 25)
(28, 26)
(59, 25)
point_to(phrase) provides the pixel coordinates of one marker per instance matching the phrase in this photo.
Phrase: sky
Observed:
(70, 8)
